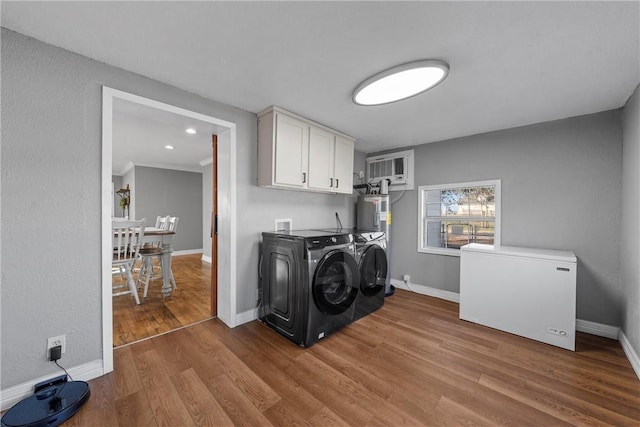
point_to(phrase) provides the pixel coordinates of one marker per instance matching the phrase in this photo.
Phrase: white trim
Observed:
(585, 326)
(426, 290)
(246, 317)
(227, 287)
(206, 258)
(186, 252)
(597, 329)
(131, 165)
(84, 372)
(633, 357)
(126, 169)
(205, 162)
(107, 162)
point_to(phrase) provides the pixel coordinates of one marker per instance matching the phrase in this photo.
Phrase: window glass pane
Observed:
(434, 209)
(483, 232)
(490, 209)
(456, 216)
(457, 234)
(432, 196)
(433, 235)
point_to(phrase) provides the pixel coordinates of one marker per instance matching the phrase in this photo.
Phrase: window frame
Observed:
(422, 191)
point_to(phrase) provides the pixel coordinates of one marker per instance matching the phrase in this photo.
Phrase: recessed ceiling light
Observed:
(401, 82)
(191, 131)
(169, 147)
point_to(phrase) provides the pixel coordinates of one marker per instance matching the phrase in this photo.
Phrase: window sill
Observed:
(440, 251)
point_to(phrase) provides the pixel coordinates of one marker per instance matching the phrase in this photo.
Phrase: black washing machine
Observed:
(309, 283)
(371, 256)
(372, 265)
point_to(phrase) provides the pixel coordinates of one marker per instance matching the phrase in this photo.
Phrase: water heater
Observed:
(374, 214)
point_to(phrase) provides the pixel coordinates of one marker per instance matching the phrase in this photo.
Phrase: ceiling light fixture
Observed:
(400, 82)
(169, 147)
(191, 131)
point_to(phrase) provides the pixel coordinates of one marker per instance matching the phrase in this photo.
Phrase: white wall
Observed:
(630, 230)
(207, 208)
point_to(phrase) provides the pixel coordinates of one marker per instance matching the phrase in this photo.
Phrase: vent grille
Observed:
(382, 168)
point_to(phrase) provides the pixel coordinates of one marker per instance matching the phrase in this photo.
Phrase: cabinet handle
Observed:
(337, 183)
(330, 182)
(304, 177)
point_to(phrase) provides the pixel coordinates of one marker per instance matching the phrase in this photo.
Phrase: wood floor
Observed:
(413, 362)
(189, 304)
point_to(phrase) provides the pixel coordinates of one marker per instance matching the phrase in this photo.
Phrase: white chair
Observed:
(172, 223)
(149, 252)
(162, 222)
(127, 240)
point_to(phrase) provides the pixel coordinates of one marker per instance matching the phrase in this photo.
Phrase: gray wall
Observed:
(171, 192)
(560, 190)
(51, 162)
(630, 236)
(129, 179)
(207, 208)
(117, 185)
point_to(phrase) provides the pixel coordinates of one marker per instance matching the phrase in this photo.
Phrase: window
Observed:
(453, 215)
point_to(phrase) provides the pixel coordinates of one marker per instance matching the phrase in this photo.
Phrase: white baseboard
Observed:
(186, 252)
(586, 326)
(426, 290)
(206, 258)
(84, 372)
(633, 357)
(597, 329)
(246, 316)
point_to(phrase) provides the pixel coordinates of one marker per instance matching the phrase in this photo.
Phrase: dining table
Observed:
(163, 238)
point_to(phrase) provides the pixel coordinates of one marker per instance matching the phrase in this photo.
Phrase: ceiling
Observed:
(511, 63)
(140, 134)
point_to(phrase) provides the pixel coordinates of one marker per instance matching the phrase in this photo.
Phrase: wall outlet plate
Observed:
(60, 340)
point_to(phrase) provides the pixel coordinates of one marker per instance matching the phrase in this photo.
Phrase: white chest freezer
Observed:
(524, 291)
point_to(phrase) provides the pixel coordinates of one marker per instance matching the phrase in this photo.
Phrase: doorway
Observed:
(226, 293)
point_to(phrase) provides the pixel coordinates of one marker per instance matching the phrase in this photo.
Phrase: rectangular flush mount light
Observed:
(401, 82)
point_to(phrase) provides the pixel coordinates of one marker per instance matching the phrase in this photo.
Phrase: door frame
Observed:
(226, 181)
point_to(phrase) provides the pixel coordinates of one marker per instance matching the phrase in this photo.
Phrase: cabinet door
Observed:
(343, 161)
(321, 154)
(291, 152)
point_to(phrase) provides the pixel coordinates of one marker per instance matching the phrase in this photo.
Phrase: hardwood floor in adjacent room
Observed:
(189, 304)
(413, 362)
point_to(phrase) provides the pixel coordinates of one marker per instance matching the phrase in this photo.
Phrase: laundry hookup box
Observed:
(525, 291)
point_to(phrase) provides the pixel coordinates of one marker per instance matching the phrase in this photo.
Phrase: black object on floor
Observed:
(53, 402)
(392, 290)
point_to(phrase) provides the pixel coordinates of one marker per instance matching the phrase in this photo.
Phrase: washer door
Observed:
(373, 270)
(335, 282)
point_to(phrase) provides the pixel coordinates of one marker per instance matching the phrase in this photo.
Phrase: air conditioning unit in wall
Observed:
(396, 168)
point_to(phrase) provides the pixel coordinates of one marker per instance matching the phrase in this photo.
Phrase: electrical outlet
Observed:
(60, 340)
(361, 174)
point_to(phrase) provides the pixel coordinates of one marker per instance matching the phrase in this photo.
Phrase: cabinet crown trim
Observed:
(275, 108)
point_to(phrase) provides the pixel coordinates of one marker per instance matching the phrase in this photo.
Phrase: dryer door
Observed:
(373, 270)
(335, 282)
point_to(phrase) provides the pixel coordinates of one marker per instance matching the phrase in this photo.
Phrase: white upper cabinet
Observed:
(321, 167)
(343, 160)
(291, 151)
(296, 153)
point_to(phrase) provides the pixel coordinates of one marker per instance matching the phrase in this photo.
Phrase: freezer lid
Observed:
(537, 253)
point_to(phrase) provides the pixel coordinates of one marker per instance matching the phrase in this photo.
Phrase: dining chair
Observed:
(149, 252)
(162, 222)
(127, 242)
